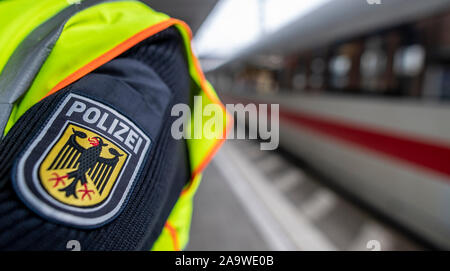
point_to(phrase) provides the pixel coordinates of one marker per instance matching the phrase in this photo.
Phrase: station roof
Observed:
(193, 12)
(337, 19)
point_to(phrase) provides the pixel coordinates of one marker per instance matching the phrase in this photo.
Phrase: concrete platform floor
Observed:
(257, 200)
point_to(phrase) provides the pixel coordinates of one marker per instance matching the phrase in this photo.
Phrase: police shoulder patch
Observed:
(80, 168)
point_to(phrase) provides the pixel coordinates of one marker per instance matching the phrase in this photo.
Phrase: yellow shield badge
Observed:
(80, 168)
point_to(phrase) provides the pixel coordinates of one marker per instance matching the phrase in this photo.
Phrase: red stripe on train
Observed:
(419, 152)
(424, 154)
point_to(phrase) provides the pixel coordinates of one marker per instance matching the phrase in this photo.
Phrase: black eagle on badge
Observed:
(84, 161)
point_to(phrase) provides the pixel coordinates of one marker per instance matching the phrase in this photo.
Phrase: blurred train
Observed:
(364, 96)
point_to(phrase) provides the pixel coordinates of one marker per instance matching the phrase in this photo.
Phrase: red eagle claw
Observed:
(86, 192)
(58, 179)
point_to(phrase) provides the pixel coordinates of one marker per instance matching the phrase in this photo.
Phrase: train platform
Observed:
(260, 200)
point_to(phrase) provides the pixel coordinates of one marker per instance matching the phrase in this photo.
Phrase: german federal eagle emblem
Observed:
(80, 168)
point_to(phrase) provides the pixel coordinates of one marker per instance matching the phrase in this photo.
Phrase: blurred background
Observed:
(364, 157)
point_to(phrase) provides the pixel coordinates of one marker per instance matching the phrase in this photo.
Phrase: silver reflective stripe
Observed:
(28, 58)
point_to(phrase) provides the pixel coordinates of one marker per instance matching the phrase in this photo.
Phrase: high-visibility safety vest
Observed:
(53, 43)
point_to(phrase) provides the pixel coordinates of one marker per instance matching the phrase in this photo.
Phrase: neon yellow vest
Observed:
(89, 39)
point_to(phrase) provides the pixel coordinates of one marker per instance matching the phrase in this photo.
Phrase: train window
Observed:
(373, 59)
(265, 82)
(340, 65)
(316, 81)
(299, 81)
(372, 63)
(409, 61)
(318, 65)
